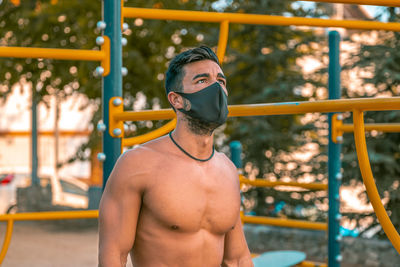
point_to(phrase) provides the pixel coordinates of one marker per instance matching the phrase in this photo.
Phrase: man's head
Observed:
(176, 71)
(196, 87)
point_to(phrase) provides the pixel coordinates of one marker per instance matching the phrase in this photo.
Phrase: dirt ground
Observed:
(44, 244)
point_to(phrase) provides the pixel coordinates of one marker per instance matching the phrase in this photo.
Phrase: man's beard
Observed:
(200, 127)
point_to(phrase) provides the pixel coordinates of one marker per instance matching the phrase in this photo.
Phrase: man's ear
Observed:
(175, 100)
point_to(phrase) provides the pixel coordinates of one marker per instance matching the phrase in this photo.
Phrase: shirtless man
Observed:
(173, 201)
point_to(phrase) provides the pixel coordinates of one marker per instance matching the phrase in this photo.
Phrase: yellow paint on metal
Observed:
(122, 14)
(112, 122)
(217, 17)
(372, 191)
(264, 183)
(50, 215)
(324, 106)
(393, 3)
(336, 128)
(62, 54)
(149, 136)
(380, 127)
(285, 222)
(51, 53)
(7, 240)
(223, 40)
(311, 264)
(45, 133)
(34, 216)
(106, 55)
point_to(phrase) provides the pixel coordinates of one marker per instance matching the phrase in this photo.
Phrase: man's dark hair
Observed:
(175, 72)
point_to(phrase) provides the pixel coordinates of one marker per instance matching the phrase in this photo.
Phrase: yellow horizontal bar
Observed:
(285, 222)
(131, 141)
(381, 127)
(161, 114)
(217, 17)
(51, 215)
(52, 53)
(45, 133)
(339, 105)
(391, 3)
(311, 264)
(264, 183)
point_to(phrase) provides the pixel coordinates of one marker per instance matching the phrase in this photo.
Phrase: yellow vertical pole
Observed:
(7, 239)
(223, 40)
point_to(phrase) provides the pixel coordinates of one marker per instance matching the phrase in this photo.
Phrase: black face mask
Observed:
(209, 104)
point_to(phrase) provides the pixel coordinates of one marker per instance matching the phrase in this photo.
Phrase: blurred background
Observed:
(263, 64)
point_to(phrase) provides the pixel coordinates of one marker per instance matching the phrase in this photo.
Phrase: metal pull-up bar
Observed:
(391, 3)
(63, 54)
(254, 19)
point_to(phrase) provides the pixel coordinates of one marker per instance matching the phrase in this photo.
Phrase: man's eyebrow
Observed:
(206, 75)
(221, 75)
(201, 75)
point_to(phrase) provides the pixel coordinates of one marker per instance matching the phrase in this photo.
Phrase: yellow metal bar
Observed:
(106, 53)
(393, 3)
(45, 133)
(51, 215)
(285, 223)
(223, 40)
(381, 127)
(62, 54)
(217, 17)
(311, 264)
(113, 124)
(143, 115)
(336, 131)
(7, 240)
(51, 53)
(264, 183)
(372, 191)
(149, 136)
(339, 105)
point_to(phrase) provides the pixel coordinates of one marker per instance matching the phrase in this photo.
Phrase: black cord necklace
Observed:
(184, 151)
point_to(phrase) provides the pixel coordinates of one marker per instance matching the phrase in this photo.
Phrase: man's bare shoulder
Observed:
(227, 165)
(154, 150)
(226, 161)
(137, 165)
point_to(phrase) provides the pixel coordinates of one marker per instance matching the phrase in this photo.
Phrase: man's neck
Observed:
(199, 146)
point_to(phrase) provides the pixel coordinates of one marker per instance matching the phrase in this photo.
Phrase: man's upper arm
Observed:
(119, 210)
(236, 251)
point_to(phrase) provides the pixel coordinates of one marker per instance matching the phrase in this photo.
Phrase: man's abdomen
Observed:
(164, 247)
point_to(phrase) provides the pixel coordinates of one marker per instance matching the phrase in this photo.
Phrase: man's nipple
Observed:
(174, 227)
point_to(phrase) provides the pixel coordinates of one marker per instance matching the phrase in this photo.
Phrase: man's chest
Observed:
(188, 201)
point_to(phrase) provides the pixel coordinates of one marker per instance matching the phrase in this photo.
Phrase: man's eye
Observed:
(222, 82)
(201, 81)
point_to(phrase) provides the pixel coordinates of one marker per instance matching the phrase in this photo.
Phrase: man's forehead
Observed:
(202, 67)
